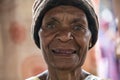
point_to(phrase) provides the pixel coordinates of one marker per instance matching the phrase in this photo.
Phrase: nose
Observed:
(65, 36)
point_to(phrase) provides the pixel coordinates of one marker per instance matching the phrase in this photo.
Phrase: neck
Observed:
(56, 74)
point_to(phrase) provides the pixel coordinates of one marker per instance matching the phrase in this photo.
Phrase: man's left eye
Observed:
(79, 27)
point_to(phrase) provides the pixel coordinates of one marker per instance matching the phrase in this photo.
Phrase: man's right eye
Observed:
(50, 26)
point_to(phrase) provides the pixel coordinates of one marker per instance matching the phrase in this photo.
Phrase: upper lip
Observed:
(64, 51)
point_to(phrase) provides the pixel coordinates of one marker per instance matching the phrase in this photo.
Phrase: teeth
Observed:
(58, 51)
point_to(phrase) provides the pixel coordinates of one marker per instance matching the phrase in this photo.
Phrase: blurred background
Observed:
(20, 58)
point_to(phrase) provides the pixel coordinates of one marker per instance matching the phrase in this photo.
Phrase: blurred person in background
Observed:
(107, 67)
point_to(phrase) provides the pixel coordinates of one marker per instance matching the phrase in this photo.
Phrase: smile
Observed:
(63, 51)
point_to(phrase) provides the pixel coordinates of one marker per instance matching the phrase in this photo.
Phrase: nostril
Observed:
(53, 51)
(65, 37)
(74, 52)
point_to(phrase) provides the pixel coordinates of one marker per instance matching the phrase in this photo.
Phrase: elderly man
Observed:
(64, 30)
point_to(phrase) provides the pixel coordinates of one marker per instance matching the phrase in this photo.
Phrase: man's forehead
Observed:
(65, 9)
(63, 15)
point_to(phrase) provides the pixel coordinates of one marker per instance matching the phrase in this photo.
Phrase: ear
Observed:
(90, 43)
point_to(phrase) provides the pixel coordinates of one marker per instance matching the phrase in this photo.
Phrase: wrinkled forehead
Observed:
(65, 11)
(67, 8)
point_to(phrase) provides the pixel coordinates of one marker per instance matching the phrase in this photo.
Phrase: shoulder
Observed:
(33, 78)
(92, 77)
(41, 76)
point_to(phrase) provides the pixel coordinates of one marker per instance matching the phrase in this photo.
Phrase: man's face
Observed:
(65, 37)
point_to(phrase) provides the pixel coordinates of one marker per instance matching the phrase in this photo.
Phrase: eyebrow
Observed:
(77, 20)
(54, 19)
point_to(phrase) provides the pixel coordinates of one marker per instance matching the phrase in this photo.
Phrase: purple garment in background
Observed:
(107, 47)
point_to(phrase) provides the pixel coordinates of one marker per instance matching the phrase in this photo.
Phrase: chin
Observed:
(64, 66)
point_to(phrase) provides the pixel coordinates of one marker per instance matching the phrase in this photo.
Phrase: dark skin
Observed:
(65, 39)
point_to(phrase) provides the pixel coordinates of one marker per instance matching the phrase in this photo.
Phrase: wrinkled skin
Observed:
(65, 39)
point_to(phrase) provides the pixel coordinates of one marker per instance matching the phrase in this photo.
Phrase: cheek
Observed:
(83, 40)
(45, 40)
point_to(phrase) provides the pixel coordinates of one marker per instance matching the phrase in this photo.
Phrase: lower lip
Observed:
(64, 57)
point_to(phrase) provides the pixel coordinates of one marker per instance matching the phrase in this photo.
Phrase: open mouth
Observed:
(64, 51)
